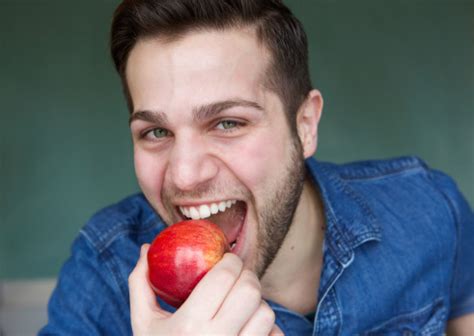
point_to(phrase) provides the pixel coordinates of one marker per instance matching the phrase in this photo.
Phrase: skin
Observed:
(245, 151)
(461, 326)
(199, 162)
(241, 152)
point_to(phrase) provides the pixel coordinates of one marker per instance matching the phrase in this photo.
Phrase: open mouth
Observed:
(229, 215)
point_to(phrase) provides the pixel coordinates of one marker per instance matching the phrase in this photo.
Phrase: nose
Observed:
(191, 163)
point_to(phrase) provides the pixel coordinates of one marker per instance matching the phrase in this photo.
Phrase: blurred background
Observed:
(397, 77)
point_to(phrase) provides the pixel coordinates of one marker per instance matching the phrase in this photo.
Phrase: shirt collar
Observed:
(350, 220)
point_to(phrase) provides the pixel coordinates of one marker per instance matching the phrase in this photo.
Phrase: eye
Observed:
(228, 124)
(160, 132)
(157, 133)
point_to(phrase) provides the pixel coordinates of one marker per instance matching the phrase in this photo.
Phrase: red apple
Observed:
(181, 255)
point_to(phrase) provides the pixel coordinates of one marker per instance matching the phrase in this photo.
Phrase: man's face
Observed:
(209, 139)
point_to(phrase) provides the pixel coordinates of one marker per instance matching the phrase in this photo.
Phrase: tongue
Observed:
(231, 220)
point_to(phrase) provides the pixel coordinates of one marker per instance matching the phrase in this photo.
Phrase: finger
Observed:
(276, 331)
(241, 303)
(143, 304)
(261, 322)
(211, 291)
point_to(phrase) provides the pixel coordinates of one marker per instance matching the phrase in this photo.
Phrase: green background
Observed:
(397, 78)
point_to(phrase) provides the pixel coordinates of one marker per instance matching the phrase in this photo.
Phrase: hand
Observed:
(227, 301)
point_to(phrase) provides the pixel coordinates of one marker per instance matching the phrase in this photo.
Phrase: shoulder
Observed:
(132, 215)
(380, 169)
(402, 178)
(102, 256)
(406, 175)
(400, 171)
(392, 192)
(409, 179)
(405, 192)
(425, 225)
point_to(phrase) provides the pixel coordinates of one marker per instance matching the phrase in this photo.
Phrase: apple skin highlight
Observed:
(181, 255)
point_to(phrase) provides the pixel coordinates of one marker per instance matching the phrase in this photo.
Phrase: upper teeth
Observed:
(206, 210)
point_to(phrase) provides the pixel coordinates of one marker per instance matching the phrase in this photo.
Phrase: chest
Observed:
(384, 288)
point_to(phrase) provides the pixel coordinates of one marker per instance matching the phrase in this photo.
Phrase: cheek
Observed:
(149, 173)
(259, 161)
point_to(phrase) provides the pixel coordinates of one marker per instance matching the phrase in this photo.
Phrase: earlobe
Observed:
(307, 122)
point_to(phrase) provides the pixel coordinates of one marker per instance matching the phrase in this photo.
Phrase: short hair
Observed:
(276, 27)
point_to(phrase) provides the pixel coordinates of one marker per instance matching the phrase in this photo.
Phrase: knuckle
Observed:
(250, 291)
(233, 261)
(251, 278)
(250, 286)
(226, 275)
(267, 315)
(131, 278)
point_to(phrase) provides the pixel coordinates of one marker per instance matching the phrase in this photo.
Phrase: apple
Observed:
(181, 255)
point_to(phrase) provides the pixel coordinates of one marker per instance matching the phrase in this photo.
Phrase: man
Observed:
(222, 109)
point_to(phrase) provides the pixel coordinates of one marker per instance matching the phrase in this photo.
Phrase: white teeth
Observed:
(185, 211)
(206, 210)
(214, 208)
(222, 206)
(233, 245)
(194, 213)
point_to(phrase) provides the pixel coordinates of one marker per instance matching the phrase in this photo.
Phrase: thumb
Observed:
(143, 303)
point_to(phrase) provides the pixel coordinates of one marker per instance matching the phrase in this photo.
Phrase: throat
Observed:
(299, 295)
(292, 280)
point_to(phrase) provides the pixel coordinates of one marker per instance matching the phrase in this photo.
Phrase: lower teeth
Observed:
(233, 245)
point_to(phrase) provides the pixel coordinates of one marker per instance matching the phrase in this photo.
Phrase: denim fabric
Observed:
(397, 257)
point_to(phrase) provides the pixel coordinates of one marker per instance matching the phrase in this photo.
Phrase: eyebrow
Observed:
(156, 117)
(200, 113)
(209, 111)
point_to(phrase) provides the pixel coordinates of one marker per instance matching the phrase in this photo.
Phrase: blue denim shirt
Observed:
(398, 257)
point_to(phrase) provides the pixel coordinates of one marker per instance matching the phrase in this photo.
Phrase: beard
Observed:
(277, 214)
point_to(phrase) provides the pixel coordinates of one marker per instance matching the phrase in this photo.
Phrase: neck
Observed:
(292, 279)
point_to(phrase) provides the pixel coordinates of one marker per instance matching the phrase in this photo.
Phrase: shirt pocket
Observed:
(427, 321)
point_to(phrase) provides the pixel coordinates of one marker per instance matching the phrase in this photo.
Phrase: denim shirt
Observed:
(398, 257)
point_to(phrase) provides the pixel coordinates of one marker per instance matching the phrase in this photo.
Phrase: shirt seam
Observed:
(411, 170)
(384, 168)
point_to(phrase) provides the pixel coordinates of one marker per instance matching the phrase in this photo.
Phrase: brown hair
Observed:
(275, 26)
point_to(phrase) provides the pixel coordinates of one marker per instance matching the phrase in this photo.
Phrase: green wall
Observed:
(397, 78)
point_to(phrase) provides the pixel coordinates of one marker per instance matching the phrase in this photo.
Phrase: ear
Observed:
(307, 121)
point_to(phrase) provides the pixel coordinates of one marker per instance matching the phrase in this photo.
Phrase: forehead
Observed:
(198, 68)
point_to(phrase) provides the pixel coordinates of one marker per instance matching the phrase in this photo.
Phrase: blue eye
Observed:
(159, 132)
(227, 124)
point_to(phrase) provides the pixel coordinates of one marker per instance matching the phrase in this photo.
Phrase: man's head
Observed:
(274, 25)
(210, 119)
